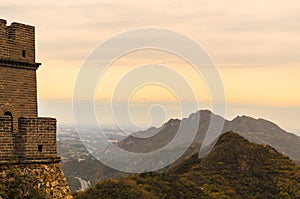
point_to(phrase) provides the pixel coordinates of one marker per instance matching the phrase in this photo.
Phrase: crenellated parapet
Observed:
(17, 42)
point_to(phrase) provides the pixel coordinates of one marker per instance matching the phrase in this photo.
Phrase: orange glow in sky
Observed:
(254, 44)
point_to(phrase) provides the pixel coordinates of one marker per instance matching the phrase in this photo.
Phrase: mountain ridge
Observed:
(278, 138)
(234, 168)
(259, 130)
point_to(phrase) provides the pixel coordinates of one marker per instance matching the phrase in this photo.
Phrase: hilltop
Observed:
(235, 168)
(260, 131)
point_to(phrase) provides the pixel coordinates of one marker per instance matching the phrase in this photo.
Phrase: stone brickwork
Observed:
(27, 142)
(18, 92)
(6, 142)
(25, 138)
(17, 42)
(37, 139)
(47, 177)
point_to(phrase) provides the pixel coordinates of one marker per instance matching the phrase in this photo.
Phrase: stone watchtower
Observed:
(24, 137)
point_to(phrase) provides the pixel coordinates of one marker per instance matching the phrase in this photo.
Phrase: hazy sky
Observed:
(255, 45)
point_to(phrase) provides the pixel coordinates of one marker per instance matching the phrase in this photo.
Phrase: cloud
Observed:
(248, 29)
(244, 38)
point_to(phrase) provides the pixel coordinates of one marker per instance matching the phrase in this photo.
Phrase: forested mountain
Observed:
(258, 131)
(234, 168)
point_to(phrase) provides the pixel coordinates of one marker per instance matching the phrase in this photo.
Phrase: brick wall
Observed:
(3, 38)
(24, 138)
(37, 138)
(17, 42)
(6, 139)
(18, 93)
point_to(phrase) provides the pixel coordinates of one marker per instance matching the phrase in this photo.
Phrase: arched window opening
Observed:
(7, 113)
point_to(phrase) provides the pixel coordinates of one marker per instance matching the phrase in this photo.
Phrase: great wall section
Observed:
(27, 142)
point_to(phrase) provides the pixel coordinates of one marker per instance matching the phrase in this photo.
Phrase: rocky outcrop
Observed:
(47, 178)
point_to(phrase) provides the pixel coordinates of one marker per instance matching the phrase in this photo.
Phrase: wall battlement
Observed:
(24, 137)
(37, 138)
(17, 42)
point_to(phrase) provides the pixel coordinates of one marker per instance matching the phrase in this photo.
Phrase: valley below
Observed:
(83, 170)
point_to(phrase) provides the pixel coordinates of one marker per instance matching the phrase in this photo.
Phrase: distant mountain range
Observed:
(234, 168)
(255, 130)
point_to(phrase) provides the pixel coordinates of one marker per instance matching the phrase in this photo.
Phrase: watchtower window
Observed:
(40, 148)
(23, 53)
(7, 113)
